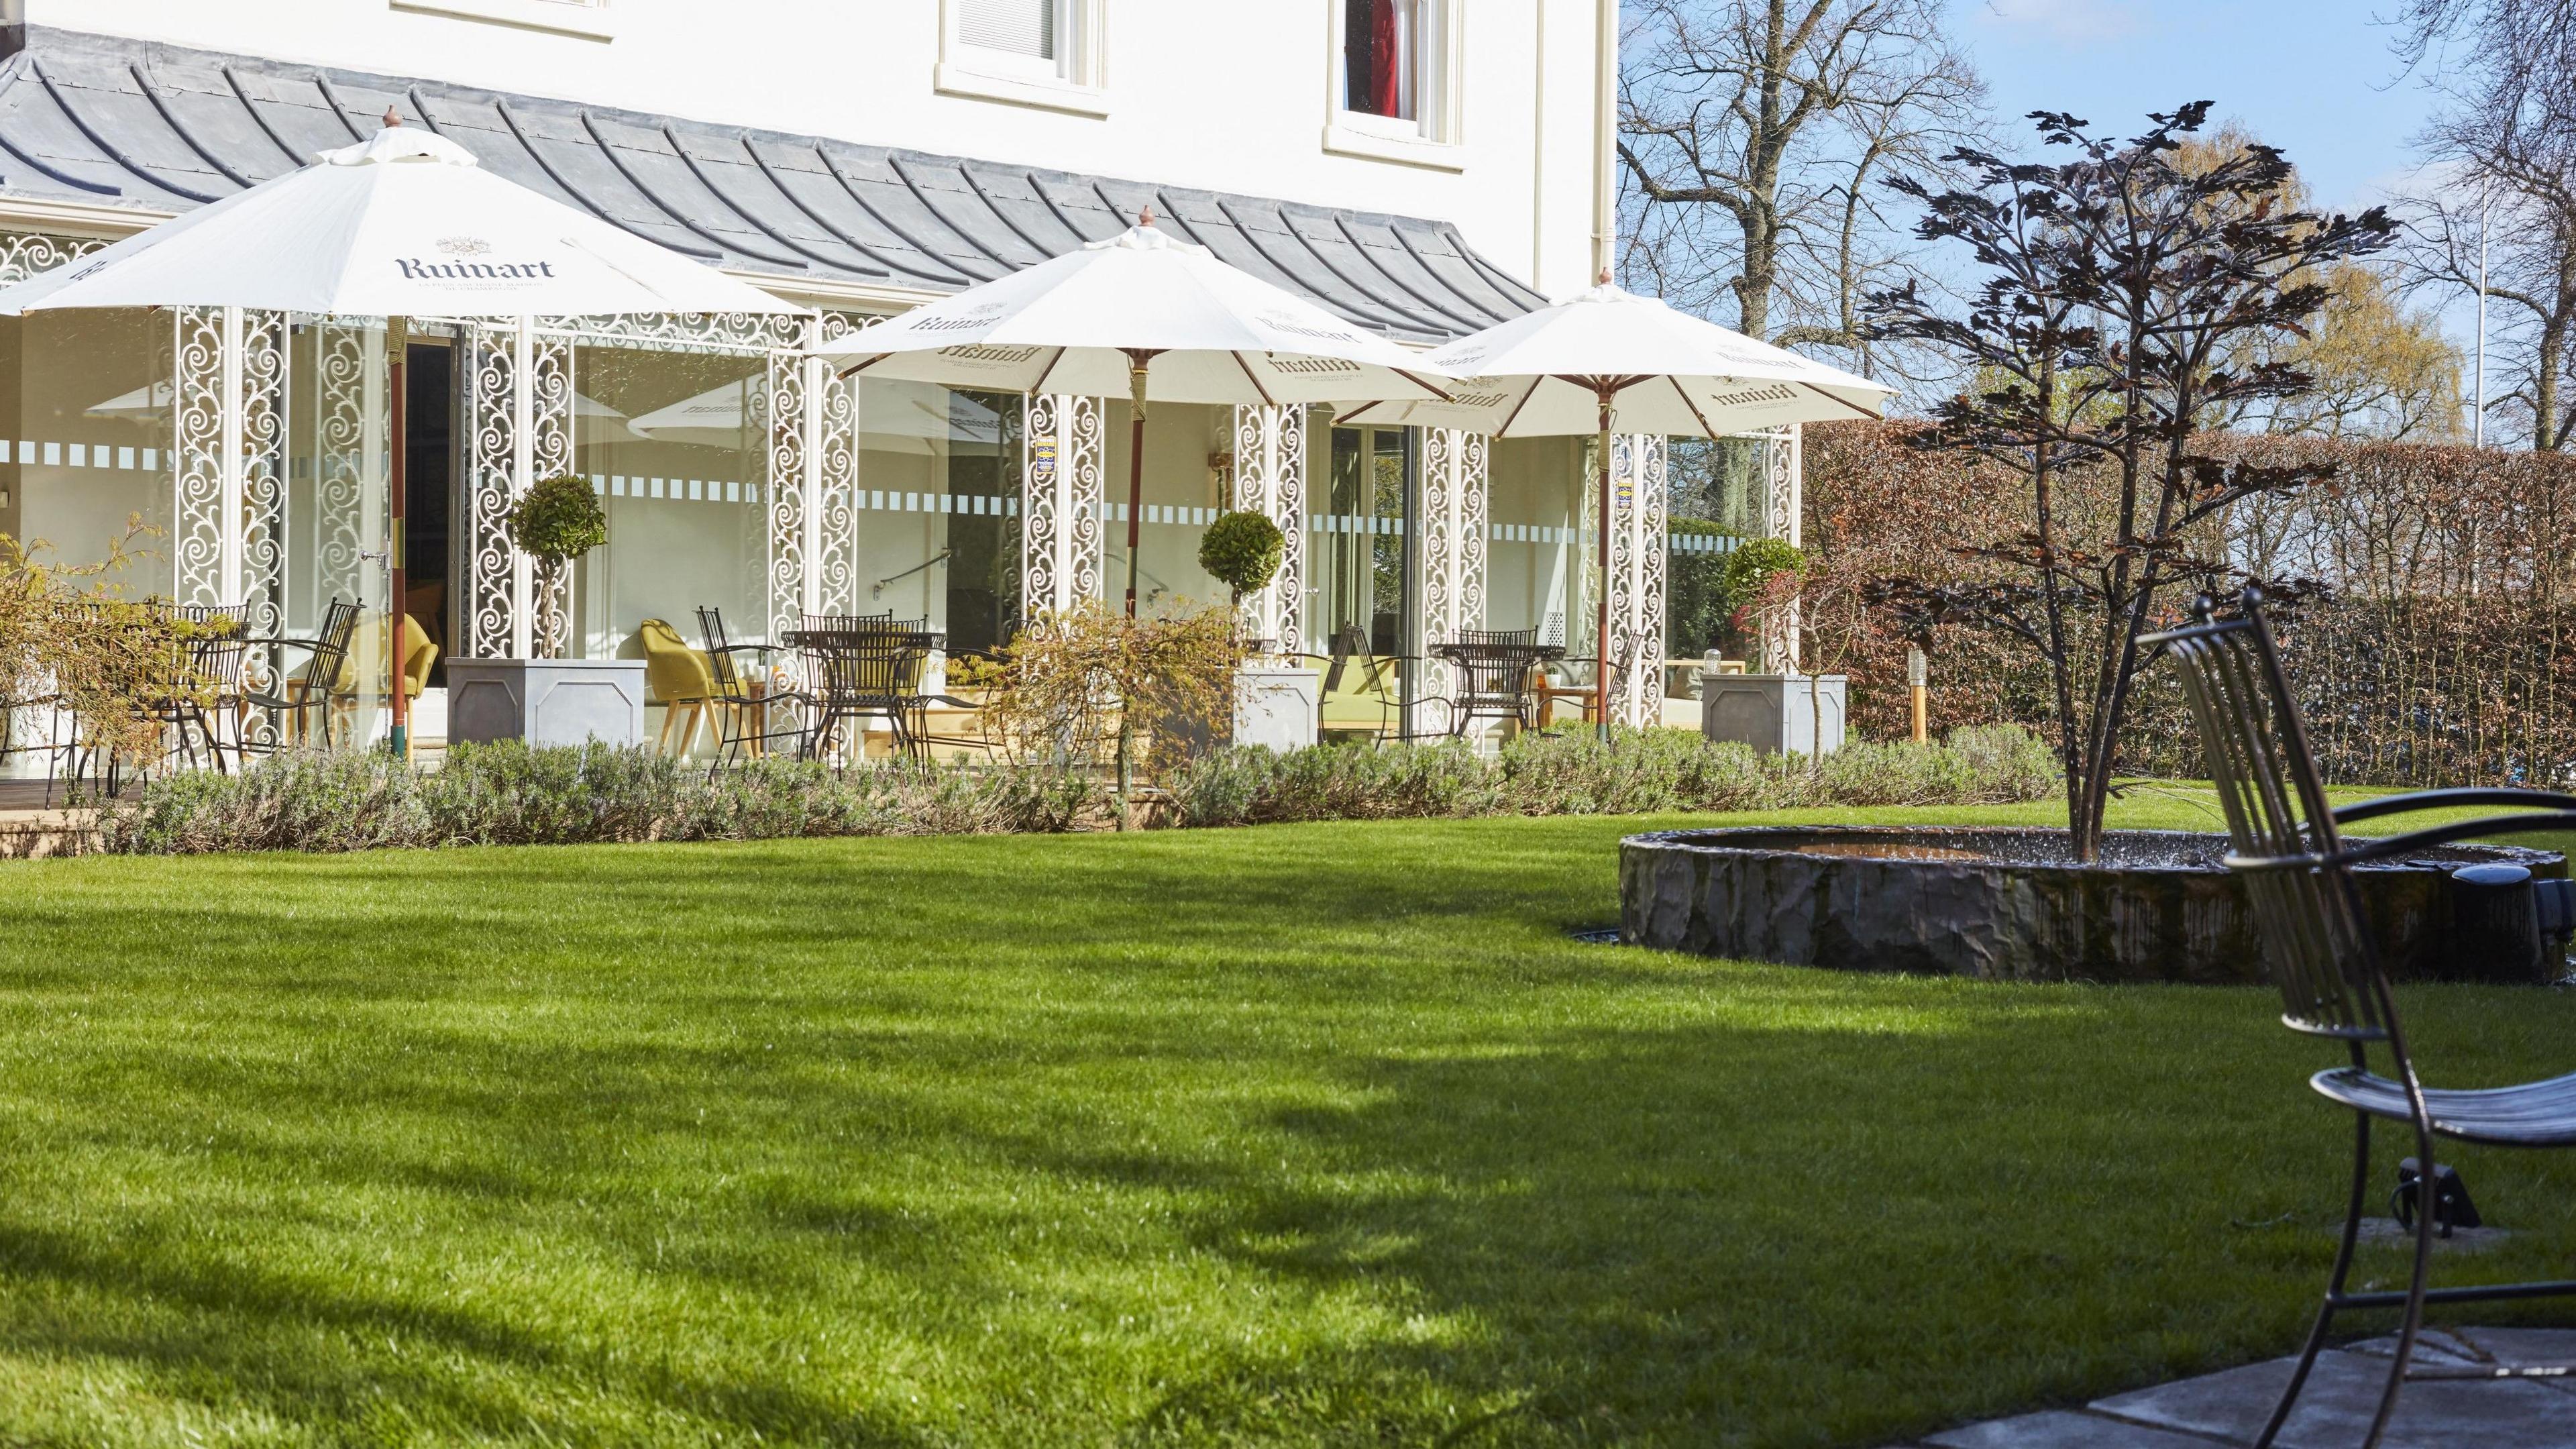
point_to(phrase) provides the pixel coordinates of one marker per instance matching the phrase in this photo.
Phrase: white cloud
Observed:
(2067, 22)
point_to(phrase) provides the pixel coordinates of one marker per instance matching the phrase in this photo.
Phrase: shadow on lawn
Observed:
(1776, 1234)
(236, 1333)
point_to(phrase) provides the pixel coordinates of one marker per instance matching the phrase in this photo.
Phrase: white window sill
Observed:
(952, 79)
(590, 22)
(1343, 139)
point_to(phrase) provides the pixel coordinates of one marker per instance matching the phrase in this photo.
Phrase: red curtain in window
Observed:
(1371, 54)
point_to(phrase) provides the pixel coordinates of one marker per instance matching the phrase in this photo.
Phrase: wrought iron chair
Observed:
(1493, 676)
(2298, 869)
(745, 705)
(864, 674)
(320, 686)
(205, 681)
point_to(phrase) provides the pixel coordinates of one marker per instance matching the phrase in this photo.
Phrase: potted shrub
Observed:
(550, 699)
(1275, 698)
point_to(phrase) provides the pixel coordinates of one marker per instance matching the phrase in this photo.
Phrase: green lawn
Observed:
(1300, 1135)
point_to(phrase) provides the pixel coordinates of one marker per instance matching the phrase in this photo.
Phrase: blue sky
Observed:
(2314, 77)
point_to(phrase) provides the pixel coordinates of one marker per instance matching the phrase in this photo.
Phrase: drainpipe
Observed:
(1605, 134)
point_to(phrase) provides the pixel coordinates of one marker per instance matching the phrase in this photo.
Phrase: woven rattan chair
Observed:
(2298, 869)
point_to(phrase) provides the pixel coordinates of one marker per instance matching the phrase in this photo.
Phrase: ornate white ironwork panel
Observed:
(25, 253)
(834, 404)
(490, 611)
(348, 450)
(549, 438)
(1456, 482)
(1784, 514)
(775, 402)
(737, 332)
(259, 571)
(198, 413)
(228, 438)
(1060, 503)
(1637, 507)
(1269, 478)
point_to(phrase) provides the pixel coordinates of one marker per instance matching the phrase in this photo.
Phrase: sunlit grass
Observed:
(1305, 1135)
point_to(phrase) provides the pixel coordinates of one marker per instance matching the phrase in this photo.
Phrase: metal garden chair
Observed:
(1493, 675)
(745, 705)
(2298, 870)
(318, 689)
(861, 675)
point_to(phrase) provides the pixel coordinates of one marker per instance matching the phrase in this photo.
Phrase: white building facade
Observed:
(1422, 167)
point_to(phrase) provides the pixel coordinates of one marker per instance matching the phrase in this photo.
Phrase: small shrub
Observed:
(512, 794)
(509, 793)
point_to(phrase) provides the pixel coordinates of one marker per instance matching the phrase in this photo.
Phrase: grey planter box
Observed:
(546, 701)
(1774, 713)
(1275, 705)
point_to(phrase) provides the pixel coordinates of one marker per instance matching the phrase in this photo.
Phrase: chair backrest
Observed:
(330, 660)
(853, 623)
(711, 630)
(866, 666)
(674, 673)
(2279, 823)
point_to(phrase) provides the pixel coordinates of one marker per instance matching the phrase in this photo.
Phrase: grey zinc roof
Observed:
(111, 121)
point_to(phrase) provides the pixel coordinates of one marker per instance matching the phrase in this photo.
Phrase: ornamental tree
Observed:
(2128, 296)
(556, 521)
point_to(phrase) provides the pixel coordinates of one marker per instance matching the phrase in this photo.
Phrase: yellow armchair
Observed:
(678, 678)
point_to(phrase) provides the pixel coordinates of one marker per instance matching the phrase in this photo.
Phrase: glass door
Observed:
(337, 552)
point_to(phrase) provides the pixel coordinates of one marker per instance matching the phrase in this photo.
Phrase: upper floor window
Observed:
(1381, 57)
(1395, 82)
(1035, 52)
(1030, 32)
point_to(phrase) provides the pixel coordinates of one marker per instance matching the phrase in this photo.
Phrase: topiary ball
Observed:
(1752, 564)
(1243, 550)
(558, 519)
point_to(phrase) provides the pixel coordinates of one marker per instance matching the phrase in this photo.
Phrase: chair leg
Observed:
(2414, 1323)
(2334, 1282)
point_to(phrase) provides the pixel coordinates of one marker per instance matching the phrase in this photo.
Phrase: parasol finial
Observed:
(393, 118)
(1605, 276)
(1146, 217)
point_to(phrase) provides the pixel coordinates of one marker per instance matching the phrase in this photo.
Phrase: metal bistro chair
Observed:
(318, 688)
(744, 706)
(1493, 676)
(2298, 870)
(861, 674)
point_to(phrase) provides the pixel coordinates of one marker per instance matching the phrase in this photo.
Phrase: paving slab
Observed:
(2524, 1347)
(2059, 1429)
(2432, 1345)
(2341, 1395)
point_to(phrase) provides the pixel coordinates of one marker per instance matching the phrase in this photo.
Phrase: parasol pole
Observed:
(397, 345)
(1137, 357)
(1601, 623)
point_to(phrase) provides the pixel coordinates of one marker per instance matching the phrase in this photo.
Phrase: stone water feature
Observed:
(2012, 904)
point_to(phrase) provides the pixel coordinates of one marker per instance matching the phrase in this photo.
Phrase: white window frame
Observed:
(1436, 135)
(1076, 81)
(587, 19)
